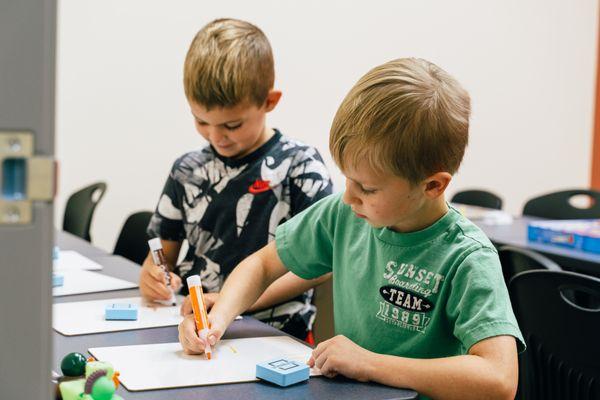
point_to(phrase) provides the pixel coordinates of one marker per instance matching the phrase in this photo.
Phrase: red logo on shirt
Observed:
(259, 186)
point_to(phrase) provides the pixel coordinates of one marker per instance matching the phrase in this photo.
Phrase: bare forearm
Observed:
(460, 377)
(285, 288)
(242, 288)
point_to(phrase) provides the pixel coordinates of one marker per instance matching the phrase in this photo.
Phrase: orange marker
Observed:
(197, 297)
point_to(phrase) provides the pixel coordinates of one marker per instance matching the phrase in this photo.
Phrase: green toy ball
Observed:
(103, 389)
(73, 364)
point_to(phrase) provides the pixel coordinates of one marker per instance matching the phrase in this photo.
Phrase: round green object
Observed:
(73, 364)
(103, 389)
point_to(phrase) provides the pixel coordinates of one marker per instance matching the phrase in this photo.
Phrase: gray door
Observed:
(27, 70)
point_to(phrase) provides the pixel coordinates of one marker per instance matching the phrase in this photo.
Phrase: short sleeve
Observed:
(167, 220)
(310, 180)
(479, 304)
(305, 242)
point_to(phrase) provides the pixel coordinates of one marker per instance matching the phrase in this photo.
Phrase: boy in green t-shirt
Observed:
(419, 298)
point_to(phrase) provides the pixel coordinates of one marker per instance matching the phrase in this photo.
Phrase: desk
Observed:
(316, 388)
(515, 234)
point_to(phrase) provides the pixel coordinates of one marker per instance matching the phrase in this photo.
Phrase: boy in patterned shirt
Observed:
(419, 297)
(228, 198)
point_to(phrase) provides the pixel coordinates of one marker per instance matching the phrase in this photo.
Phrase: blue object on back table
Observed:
(581, 234)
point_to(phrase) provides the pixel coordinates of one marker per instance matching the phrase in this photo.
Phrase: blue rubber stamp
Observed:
(121, 312)
(283, 372)
(57, 280)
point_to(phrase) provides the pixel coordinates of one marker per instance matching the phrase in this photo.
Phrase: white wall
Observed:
(528, 64)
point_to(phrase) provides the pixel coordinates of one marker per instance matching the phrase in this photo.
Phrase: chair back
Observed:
(558, 205)
(562, 360)
(80, 208)
(133, 239)
(515, 260)
(481, 198)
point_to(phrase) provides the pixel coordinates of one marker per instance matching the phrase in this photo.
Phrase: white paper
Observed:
(81, 281)
(83, 317)
(165, 365)
(71, 260)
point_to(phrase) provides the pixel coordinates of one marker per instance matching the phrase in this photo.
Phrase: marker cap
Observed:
(193, 280)
(155, 244)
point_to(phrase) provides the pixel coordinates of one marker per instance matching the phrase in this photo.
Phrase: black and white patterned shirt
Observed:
(229, 208)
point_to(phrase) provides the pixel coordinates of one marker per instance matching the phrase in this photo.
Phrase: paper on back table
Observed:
(70, 260)
(80, 281)
(84, 317)
(165, 365)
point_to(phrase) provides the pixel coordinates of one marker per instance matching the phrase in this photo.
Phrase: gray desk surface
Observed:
(515, 234)
(315, 388)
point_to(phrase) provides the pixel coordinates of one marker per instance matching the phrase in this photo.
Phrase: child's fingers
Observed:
(186, 306)
(175, 282)
(157, 273)
(215, 332)
(188, 338)
(154, 291)
(328, 369)
(316, 353)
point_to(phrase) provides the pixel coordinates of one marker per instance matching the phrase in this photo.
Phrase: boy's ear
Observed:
(273, 98)
(436, 184)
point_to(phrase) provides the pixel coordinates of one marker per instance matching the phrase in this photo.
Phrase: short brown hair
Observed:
(407, 117)
(229, 62)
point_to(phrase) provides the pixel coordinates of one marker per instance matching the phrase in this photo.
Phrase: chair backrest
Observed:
(80, 210)
(562, 360)
(133, 239)
(558, 205)
(481, 198)
(515, 260)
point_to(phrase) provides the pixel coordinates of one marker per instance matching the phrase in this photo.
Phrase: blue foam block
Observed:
(282, 372)
(121, 311)
(57, 280)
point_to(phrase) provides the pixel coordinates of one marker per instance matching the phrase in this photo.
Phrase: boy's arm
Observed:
(489, 370)
(243, 287)
(285, 288)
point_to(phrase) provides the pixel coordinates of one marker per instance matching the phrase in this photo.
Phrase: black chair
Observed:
(562, 360)
(80, 210)
(515, 260)
(557, 205)
(481, 198)
(133, 239)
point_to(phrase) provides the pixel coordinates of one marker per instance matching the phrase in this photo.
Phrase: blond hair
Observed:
(229, 62)
(407, 117)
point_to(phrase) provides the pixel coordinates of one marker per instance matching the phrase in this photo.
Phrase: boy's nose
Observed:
(349, 197)
(215, 135)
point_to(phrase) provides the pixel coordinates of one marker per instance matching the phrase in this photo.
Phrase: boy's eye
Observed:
(367, 191)
(201, 123)
(233, 127)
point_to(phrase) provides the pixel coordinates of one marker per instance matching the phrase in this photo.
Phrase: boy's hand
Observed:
(209, 300)
(189, 339)
(153, 283)
(340, 355)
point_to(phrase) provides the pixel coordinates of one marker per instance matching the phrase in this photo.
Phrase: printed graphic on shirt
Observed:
(228, 209)
(407, 296)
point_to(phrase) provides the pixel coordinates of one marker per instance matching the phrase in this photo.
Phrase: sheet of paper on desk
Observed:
(81, 281)
(484, 215)
(165, 365)
(72, 260)
(84, 317)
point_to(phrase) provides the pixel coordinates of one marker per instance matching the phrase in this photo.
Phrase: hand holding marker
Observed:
(201, 319)
(158, 256)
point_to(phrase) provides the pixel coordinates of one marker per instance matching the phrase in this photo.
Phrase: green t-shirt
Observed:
(425, 294)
